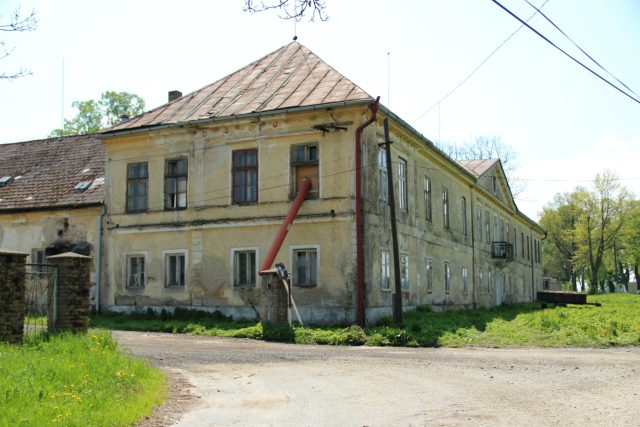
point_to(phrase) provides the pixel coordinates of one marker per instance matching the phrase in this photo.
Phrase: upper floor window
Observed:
(488, 227)
(245, 176)
(304, 165)
(428, 209)
(528, 249)
(383, 184)
(494, 185)
(137, 187)
(175, 184)
(445, 207)
(515, 242)
(496, 226)
(463, 213)
(402, 184)
(479, 220)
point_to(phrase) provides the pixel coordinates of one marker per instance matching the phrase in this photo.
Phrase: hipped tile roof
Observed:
(45, 173)
(289, 77)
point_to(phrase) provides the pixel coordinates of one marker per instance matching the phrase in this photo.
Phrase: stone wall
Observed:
(70, 311)
(274, 304)
(12, 292)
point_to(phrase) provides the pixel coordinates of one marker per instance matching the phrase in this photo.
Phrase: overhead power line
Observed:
(567, 54)
(478, 66)
(581, 50)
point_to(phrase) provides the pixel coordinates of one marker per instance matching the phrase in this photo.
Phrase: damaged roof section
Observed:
(290, 77)
(44, 173)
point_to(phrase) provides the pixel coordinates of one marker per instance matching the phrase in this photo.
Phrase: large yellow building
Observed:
(197, 189)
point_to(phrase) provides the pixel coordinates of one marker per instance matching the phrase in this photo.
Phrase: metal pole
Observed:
(397, 297)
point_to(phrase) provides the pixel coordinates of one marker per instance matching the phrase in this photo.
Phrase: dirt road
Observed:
(244, 382)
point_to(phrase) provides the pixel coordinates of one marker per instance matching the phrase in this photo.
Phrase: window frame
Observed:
(128, 257)
(245, 170)
(383, 178)
(137, 180)
(479, 219)
(294, 265)
(463, 213)
(184, 253)
(446, 223)
(447, 277)
(178, 177)
(402, 185)
(429, 274)
(314, 192)
(235, 267)
(428, 202)
(385, 270)
(465, 280)
(405, 278)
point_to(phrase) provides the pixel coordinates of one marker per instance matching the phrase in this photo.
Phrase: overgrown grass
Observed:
(615, 323)
(75, 380)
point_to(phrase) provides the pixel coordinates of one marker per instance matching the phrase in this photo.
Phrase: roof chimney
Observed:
(174, 94)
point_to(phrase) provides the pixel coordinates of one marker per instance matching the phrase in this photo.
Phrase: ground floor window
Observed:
(135, 271)
(429, 274)
(244, 267)
(305, 267)
(385, 273)
(465, 280)
(447, 278)
(175, 265)
(404, 271)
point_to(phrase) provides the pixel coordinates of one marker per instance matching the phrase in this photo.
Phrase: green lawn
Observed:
(615, 323)
(75, 380)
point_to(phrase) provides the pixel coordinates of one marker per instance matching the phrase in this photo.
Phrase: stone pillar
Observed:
(12, 291)
(70, 308)
(274, 304)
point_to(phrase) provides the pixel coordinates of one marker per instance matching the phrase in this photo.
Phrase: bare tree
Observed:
(16, 24)
(488, 147)
(289, 9)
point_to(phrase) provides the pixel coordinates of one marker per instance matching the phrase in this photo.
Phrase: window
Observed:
(175, 184)
(510, 285)
(445, 207)
(175, 269)
(38, 258)
(82, 186)
(447, 278)
(507, 237)
(515, 242)
(6, 180)
(383, 184)
(480, 282)
(428, 210)
(244, 267)
(494, 185)
(528, 249)
(385, 273)
(402, 184)
(488, 227)
(304, 164)
(479, 219)
(429, 274)
(137, 187)
(489, 283)
(135, 272)
(305, 265)
(465, 280)
(463, 213)
(496, 234)
(245, 176)
(522, 243)
(404, 271)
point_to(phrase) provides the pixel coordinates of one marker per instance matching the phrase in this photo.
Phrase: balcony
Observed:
(502, 251)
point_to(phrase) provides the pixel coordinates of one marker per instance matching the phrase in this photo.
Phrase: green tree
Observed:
(96, 115)
(603, 214)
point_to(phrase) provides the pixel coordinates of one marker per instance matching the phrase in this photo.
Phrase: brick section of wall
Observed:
(72, 295)
(273, 301)
(12, 291)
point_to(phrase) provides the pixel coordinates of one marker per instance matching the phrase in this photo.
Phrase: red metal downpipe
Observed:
(360, 313)
(286, 225)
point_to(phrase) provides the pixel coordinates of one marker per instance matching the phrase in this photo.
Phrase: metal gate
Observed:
(40, 296)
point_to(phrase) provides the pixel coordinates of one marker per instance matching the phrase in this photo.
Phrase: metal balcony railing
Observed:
(502, 250)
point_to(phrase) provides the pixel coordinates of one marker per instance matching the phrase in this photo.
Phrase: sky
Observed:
(565, 124)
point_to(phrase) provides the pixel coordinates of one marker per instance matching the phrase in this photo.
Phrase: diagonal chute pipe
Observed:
(286, 225)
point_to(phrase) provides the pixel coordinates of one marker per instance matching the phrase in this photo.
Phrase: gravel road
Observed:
(223, 382)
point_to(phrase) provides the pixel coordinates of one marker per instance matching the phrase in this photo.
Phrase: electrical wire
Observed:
(478, 66)
(581, 50)
(565, 53)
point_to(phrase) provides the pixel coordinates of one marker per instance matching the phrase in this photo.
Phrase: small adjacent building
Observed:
(51, 197)
(197, 188)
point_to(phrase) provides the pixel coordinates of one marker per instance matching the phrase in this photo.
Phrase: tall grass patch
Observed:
(75, 380)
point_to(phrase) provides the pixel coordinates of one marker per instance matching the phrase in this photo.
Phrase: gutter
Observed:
(103, 213)
(360, 309)
(52, 208)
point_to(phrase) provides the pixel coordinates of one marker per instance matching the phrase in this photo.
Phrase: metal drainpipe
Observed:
(360, 313)
(103, 213)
